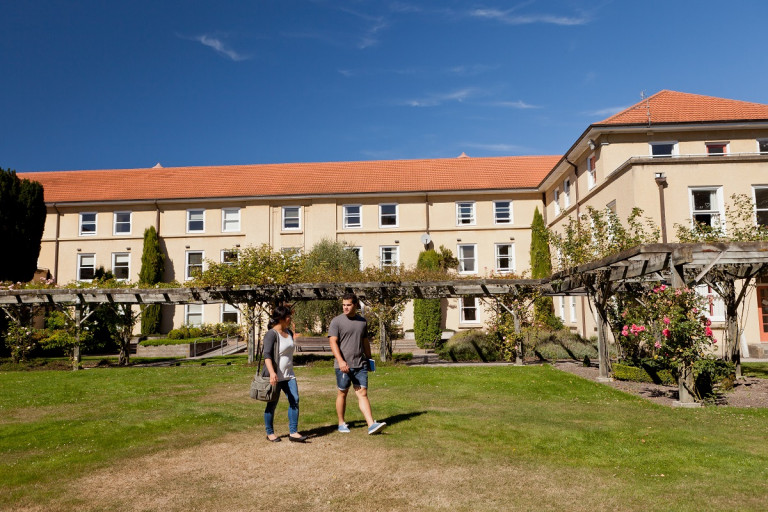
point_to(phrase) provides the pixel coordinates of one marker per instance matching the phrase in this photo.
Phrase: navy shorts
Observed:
(357, 377)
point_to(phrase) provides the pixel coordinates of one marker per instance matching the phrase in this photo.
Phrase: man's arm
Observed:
(367, 347)
(334, 341)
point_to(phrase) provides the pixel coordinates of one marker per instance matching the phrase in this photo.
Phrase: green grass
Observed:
(759, 370)
(56, 426)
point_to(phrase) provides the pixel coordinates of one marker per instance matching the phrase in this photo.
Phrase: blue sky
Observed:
(102, 85)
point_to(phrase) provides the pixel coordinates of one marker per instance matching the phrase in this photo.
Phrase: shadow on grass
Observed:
(331, 429)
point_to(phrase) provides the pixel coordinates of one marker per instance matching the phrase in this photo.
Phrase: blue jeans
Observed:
(291, 390)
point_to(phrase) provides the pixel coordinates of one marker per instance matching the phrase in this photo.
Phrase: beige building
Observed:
(702, 149)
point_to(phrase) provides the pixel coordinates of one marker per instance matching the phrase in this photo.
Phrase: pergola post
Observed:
(685, 382)
(519, 342)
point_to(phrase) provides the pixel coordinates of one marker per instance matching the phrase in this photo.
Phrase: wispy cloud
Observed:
(519, 104)
(510, 17)
(434, 100)
(220, 47)
(498, 148)
(609, 111)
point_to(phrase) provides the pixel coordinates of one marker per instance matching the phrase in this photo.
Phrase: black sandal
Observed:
(300, 439)
(275, 440)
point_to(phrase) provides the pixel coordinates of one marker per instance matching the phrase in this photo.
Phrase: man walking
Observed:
(351, 348)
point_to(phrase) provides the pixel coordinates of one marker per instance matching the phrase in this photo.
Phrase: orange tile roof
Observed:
(329, 178)
(680, 107)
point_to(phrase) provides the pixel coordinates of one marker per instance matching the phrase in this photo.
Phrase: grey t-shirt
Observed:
(351, 332)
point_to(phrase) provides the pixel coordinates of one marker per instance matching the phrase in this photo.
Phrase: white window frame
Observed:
(189, 313)
(566, 193)
(556, 200)
(465, 213)
(192, 211)
(561, 309)
(393, 250)
(80, 266)
(346, 216)
(510, 257)
(591, 171)
(663, 143)
(573, 310)
(396, 214)
(115, 223)
(500, 209)
(115, 255)
(283, 218)
(463, 260)
(229, 309)
(95, 224)
(755, 188)
(230, 225)
(224, 252)
(720, 205)
(359, 250)
(464, 307)
(726, 150)
(187, 274)
(715, 306)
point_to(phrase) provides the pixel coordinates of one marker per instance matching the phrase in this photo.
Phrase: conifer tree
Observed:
(541, 266)
(152, 267)
(22, 219)
(427, 313)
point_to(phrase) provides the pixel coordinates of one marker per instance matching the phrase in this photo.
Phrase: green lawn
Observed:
(58, 426)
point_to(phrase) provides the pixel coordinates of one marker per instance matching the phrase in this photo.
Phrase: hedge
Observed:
(645, 374)
(168, 341)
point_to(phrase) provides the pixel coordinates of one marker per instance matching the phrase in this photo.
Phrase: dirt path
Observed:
(749, 392)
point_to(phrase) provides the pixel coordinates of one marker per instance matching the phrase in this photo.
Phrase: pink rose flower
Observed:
(666, 320)
(665, 332)
(657, 345)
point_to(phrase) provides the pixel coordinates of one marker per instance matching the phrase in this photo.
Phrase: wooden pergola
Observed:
(681, 265)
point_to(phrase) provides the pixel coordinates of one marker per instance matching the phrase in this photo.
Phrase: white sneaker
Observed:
(344, 428)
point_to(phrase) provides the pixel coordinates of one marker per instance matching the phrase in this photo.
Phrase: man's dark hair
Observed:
(351, 296)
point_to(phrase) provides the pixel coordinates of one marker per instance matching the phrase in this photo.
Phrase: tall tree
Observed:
(541, 266)
(427, 313)
(22, 219)
(326, 257)
(152, 267)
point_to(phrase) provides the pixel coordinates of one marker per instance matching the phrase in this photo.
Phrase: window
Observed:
(230, 220)
(762, 145)
(229, 314)
(388, 215)
(591, 171)
(663, 149)
(468, 307)
(122, 223)
(86, 267)
(291, 218)
(465, 213)
(505, 258)
(561, 309)
(389, 256)
(567, 193)
(193, 314)
(502, 212)
(353, 216)
(573, 310)
(705, 206)
(121, 265)
(230, 256)
(467, 258)
(557, 201)
(611, 207)
(715, 307)
(357, 251)
(195, 221)
(87, 224)
(761, 205)
(717, 148)
(194, 264)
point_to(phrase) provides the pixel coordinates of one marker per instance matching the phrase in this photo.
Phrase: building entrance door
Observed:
(762, 304)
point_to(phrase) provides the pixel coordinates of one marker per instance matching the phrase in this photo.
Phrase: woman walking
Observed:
(278, 366)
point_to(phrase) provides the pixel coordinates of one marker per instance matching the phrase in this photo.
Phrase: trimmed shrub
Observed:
(562, 344)
(427, 313)
(647, 373)
(472, 345)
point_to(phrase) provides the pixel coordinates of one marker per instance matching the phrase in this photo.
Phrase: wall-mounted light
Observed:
(512, 238)
(458, 239)
(78, 249)
(186, 247)
(397, 241)
(237, 245)
(127, 248)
